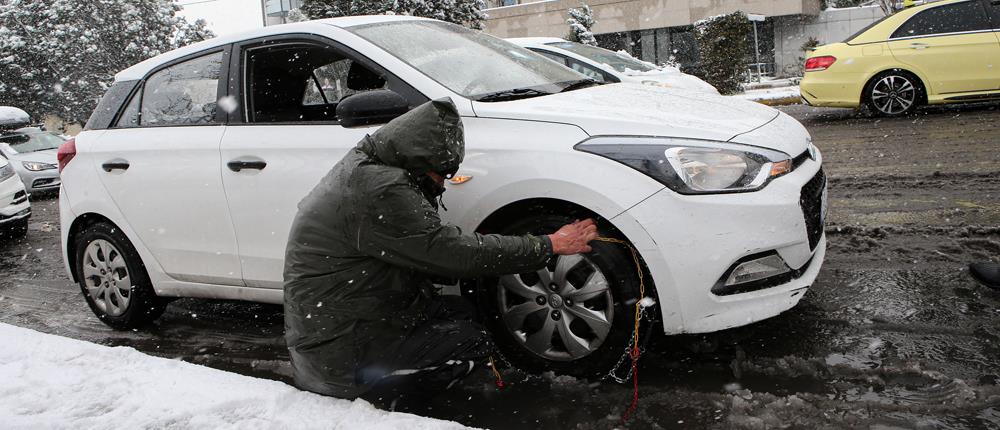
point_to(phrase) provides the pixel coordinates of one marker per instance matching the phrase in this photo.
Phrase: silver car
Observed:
(32, 153)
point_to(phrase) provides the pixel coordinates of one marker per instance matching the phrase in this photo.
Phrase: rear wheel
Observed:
(894, 93)
(575, 316)
(113, 278)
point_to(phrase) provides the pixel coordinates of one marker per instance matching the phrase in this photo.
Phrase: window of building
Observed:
(949, 18)
(182, 94)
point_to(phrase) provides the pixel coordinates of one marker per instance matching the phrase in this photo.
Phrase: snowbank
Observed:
(55, 382)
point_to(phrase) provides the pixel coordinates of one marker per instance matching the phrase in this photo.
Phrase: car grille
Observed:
(19, 197)
(811, 201)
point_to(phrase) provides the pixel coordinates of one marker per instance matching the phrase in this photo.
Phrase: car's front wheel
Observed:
(575, 316)
(894, 93)
(113, 278)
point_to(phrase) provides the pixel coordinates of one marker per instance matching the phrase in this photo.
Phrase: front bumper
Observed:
(14, 205)
(40, 181)
(695, 240)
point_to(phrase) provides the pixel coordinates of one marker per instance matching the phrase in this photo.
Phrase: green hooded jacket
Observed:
(364, 243)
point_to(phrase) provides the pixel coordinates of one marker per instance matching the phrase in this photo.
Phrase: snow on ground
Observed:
(764, 94)
(55, 382)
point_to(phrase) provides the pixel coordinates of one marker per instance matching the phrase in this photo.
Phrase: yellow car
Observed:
(941, 52)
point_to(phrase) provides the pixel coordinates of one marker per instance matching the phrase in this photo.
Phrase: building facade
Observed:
(660, 31)
(276, 11)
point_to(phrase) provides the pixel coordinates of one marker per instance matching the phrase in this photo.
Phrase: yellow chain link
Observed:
(642, 285)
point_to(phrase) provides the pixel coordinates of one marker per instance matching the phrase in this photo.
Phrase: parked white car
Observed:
(187, 176)
(609, 66)
(15, 210)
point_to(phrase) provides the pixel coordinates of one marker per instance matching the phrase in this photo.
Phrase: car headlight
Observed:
(38, 167)
(6, 172)
(690, 166)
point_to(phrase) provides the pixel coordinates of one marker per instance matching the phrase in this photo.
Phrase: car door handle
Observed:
(115, 165)
(238, 165)
(919, 46)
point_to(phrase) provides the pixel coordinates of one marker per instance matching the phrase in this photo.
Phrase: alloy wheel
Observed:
(106, 277)
(562, 312)
(893, 94)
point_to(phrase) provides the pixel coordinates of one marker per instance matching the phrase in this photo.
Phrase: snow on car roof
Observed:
(140, 70)
(10, 114)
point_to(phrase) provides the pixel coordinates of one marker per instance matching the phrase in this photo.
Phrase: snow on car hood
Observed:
(671, 79)
(644, 110)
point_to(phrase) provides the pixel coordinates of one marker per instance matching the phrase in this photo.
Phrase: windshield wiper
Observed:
(512, 94)
(582, 83)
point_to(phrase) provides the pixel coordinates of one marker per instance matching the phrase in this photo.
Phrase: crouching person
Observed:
(361, 318)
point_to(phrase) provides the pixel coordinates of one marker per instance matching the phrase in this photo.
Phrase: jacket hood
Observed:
(429, 138)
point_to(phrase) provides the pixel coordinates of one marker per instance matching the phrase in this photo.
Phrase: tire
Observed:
(15, 230)
(106, 258)
(516, 337)
(894, 93)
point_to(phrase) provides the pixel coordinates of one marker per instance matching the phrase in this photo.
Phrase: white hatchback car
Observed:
(608, 66)
(187, 176)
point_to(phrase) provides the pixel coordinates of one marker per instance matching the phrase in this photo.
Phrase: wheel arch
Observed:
(80, 224)
(512, 211)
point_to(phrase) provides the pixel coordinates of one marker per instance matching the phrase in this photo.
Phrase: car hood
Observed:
(644, 110)
(47, 156)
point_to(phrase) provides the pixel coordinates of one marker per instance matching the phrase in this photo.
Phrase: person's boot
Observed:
(987, 274)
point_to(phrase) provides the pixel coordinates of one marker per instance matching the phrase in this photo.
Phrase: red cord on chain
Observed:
(634, 355)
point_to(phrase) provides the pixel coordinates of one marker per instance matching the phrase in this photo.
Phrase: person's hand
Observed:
(574, 238)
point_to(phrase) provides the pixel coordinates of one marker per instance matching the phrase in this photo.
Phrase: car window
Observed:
(586, 69)
(470, 63)
(130, 117)
(994, 9)
(182, 94)
(302, 82)
(551, 56)
(330, 83)
(619, 62)
(949, 18)
(21, 143)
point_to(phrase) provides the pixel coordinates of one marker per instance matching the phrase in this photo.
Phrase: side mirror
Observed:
(371, 107)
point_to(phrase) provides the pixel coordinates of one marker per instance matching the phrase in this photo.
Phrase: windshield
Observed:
(617, 61)
(24, 142)
(470, 63)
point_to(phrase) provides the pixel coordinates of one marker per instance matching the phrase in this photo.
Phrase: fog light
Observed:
(757, 269)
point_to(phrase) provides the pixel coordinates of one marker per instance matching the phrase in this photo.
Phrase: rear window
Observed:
(109, 105)
(950, 18)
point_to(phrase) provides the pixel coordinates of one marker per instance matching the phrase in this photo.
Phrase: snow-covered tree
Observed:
(581, 20)
(59, 56)
(296, 15)
(723, 44)
(464, 12)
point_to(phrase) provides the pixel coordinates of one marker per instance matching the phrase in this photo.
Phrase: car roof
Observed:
(882, 30)
(138, 71)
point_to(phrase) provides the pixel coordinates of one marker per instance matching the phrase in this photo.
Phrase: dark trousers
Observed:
(430, 357)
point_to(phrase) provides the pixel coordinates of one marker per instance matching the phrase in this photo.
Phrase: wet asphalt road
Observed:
(894, 334)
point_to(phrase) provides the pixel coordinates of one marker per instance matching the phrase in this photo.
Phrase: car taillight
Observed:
(66, 153)
(816, 64)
